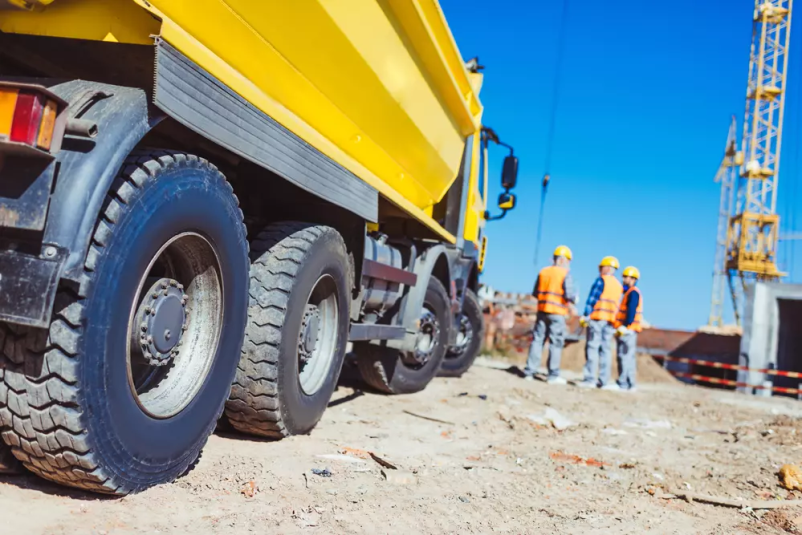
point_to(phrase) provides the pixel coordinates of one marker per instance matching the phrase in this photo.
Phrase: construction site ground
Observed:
(493, 463)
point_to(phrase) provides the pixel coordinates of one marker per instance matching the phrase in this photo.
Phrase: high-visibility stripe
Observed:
(607, 304)
(550, 292)
(621, 317)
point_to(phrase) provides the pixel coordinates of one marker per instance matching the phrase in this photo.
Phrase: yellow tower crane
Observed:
(749, 178)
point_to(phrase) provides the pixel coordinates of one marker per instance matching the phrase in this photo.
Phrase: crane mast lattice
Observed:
(749, 177)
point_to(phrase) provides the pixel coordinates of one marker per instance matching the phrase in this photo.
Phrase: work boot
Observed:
(557, 381)
(586, 384)
(612, 387)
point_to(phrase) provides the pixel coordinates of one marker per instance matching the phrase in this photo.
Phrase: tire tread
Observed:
(277, 254)
(41, 419)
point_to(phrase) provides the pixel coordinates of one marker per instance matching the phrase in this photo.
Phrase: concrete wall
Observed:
(761, 324)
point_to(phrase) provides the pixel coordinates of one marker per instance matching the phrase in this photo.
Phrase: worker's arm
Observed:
(537, 285)
(569, 289)
(594, 295)
(632, 307)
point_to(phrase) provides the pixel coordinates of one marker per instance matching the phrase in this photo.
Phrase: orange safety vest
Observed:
(607, 305)
(637, 323)
(550, 292)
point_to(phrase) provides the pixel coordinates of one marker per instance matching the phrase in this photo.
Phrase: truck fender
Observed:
(87, 166)
(412, 302)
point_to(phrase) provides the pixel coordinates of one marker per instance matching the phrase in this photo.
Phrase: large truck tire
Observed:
(124, 388)
(470, 334)
(395, 372)
(297, 330)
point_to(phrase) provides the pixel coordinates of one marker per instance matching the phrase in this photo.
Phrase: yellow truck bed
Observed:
(378, 86)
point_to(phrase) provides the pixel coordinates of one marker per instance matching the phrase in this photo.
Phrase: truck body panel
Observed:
(379, 87)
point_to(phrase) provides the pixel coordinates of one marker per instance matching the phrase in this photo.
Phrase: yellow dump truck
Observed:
(205, 204)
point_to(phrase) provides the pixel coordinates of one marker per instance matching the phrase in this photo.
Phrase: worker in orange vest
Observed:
(628, 323)
(556, 297)
(600, 312)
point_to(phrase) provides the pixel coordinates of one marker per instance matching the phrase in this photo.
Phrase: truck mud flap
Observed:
(28, 285)
(202, 103)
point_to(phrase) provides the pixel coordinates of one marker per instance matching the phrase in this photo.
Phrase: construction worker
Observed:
(556, 297)
(599, 316)
(628, 323)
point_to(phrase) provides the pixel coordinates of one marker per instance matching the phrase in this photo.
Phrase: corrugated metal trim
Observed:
(198, 100)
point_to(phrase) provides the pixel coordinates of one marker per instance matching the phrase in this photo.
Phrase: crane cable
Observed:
(555, 100)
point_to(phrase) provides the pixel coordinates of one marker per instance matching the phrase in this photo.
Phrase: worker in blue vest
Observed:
(601, 309)
(628, 323)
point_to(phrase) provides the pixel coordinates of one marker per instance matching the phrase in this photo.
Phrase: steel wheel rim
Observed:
(164, 390)
(426, 340)
(317, 346)
(464, 337)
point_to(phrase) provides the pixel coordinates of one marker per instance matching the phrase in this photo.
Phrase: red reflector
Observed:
(27, 117)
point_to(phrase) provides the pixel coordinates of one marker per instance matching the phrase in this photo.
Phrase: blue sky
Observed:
(647, 96)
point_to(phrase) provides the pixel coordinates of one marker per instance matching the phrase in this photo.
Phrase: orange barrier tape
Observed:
(718, 381)
(721, 365)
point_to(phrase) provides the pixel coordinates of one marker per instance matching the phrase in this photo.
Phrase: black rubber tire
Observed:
(66, 408)
(457, 363)
(288, 258)
(8, 463)
(383, 368)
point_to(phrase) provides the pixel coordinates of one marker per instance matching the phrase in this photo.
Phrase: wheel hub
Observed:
(162, 321)
(426, 341)
(309, 334)
(464, 336)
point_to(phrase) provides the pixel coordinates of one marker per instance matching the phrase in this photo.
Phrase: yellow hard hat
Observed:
(610, 261)
(632, 271)
(562, 250)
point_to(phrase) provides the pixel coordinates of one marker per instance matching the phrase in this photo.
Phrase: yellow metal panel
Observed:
(318, 61)
(474, 207)
(378, 86)
(98, 20)
(248, 89)
(424, 24)
(314, 82)
(28, 4)
(397, 108)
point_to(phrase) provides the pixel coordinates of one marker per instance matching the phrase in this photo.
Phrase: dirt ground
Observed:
(490, 465)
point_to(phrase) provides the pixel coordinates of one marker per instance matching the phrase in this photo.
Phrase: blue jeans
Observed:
(627, 346)
(553, 327)
(599, 351)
